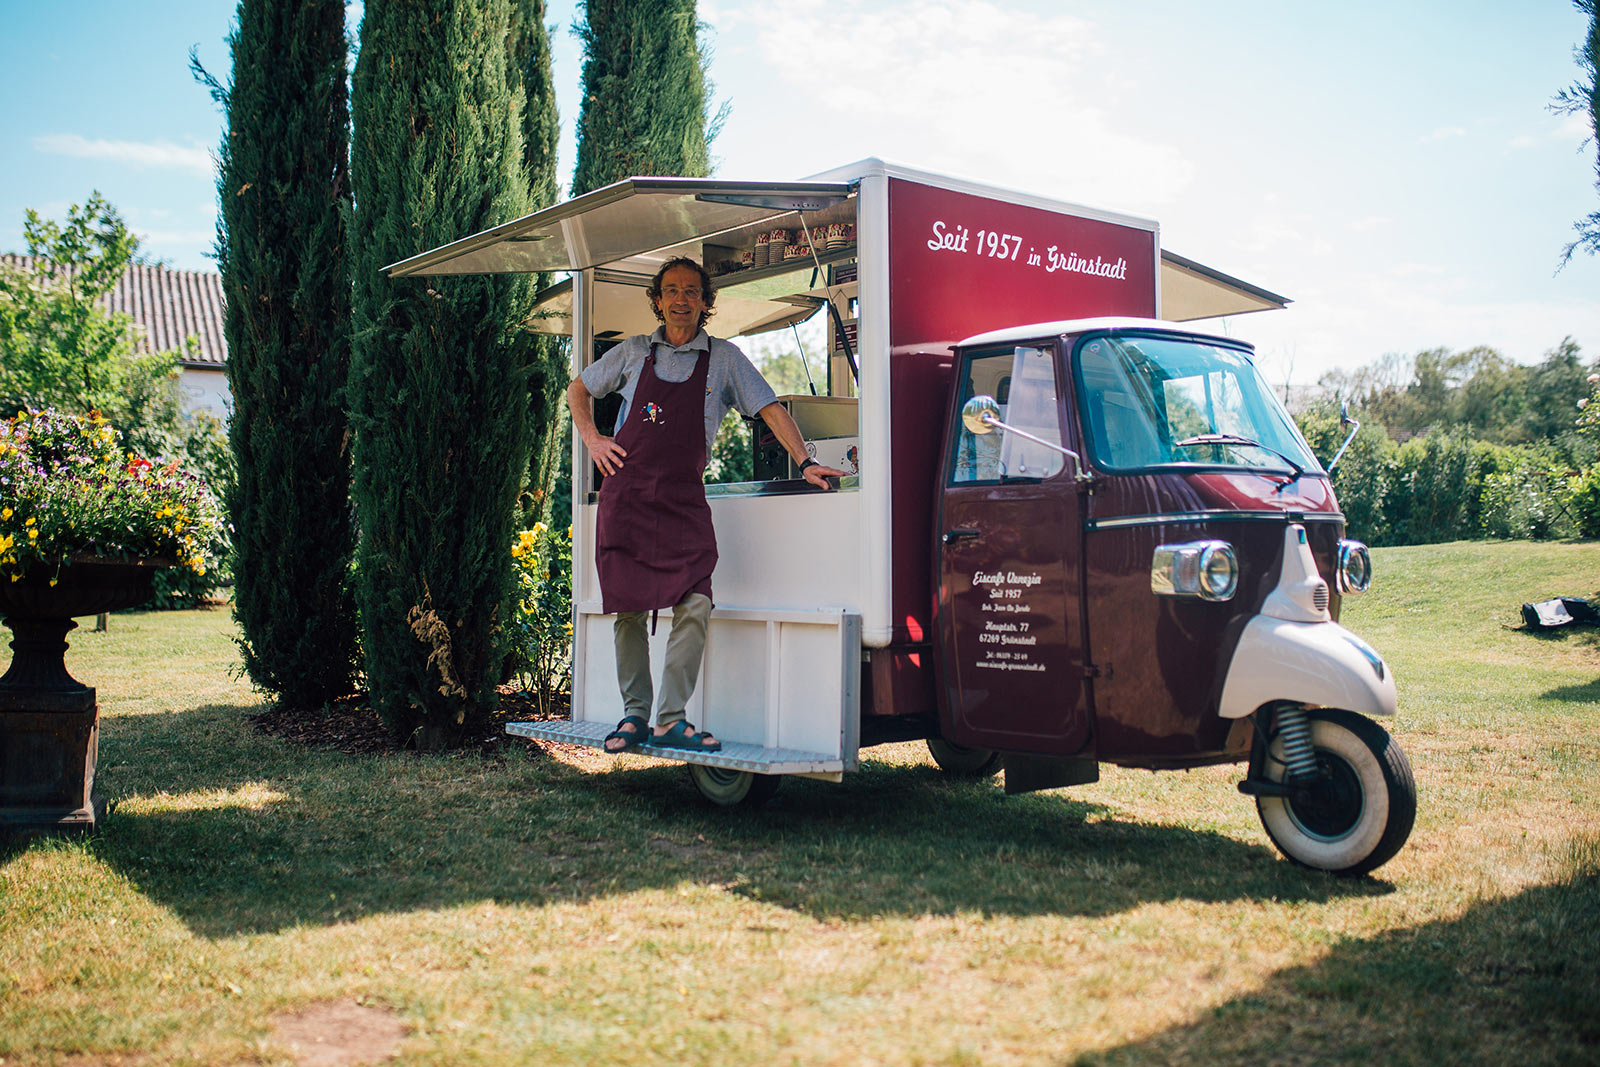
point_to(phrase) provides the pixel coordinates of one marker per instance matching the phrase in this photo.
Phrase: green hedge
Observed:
(1446, 486)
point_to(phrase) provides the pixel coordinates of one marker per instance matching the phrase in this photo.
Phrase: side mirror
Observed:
(981, 415)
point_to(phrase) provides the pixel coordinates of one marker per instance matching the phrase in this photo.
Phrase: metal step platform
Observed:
(733, 755)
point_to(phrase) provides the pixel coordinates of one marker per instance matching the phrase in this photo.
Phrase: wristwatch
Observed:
(809, 462)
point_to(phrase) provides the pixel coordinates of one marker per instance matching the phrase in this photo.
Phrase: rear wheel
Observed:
(727, 788)
(963, 762)
(1357, 812)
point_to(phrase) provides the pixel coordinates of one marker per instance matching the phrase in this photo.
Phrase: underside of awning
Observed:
(629, 219)
(627, 230)
(1191, 290)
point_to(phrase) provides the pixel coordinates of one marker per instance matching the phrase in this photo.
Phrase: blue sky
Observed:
(1392, 167)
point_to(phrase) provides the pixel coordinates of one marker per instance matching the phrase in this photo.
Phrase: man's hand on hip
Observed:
(607, 454)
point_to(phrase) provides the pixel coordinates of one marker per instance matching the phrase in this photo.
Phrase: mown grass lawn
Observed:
(559, 908)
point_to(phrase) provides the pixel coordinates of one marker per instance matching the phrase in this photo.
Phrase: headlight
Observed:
(1204, 569)
(1355, 567)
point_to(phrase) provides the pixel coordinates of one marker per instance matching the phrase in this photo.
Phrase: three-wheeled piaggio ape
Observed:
(1074, 533)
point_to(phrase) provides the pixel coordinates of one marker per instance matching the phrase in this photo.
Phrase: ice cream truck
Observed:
(1074, 532)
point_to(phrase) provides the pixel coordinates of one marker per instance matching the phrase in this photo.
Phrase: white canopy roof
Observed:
(628, 229)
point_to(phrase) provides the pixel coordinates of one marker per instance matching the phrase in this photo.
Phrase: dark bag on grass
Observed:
(1562, 611)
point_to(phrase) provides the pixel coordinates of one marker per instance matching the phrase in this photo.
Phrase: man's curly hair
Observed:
(707, 293)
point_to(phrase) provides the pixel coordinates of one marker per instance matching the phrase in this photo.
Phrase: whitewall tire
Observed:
(1358, 813)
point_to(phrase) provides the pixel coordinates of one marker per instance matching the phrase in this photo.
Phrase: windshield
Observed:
(1156, 401)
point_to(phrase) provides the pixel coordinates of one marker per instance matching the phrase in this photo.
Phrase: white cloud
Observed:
(1017, 98)
(169, 243)
(1574, 126)
(158, 154)
(1444, 133)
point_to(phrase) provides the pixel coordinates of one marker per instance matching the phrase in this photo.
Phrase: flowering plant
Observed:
(541, 627)
(68, 489)
(1589, 407)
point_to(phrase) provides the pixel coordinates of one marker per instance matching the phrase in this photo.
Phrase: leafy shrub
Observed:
(1528, 501)
(1585, 502)
(176, 588)
(1438, 482)
(541, 625)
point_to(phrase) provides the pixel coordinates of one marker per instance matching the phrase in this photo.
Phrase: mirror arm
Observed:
(1355, 425)
(1077, 460)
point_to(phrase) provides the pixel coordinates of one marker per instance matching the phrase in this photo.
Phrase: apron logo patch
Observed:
(652, 411)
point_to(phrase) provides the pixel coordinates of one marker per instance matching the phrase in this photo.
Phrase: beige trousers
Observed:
(686, 646)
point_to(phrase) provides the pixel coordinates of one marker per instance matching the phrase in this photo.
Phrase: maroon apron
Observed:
(654, 543)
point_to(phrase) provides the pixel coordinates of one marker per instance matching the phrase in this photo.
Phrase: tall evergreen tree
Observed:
(532, 84)
(646, 97)
(439, 366)
(646, 110)
(284, 191)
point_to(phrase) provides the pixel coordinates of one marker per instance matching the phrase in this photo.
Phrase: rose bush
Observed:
(68, 489)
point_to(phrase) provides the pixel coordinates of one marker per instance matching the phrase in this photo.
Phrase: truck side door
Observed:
(1010, 550)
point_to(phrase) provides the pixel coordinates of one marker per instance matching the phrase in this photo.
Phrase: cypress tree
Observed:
(439, 367)
(284, 192)
(532, 84)
(646, 97)
(645, 110)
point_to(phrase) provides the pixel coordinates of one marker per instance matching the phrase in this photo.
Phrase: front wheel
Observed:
(1357, 812)
(728, 789)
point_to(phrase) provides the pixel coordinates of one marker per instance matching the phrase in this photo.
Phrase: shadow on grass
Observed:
(1510, 981)
(237, 833)
(1588, 693)
(1579, 635)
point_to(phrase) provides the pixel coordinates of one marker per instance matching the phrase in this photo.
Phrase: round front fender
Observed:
(1320, 664)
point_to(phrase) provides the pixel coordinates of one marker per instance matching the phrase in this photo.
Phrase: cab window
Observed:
(1170, 401)
(1023, 382)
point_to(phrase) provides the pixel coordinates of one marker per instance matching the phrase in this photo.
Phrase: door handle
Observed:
(959, 534)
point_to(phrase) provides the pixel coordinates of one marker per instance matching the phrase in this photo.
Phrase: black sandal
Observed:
(640, 731)
(678, 736)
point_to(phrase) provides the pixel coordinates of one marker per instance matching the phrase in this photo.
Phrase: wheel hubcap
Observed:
(1331, 806)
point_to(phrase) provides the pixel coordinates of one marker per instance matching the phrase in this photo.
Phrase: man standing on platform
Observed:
(654, 543)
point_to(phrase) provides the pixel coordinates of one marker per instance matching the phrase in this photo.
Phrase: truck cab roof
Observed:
(1034, 331)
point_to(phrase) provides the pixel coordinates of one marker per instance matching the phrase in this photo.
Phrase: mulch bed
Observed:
(351, 726)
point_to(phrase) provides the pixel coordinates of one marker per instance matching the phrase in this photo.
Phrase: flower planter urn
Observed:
(49, 729)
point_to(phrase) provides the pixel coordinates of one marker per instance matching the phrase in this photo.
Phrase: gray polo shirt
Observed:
(732, 381)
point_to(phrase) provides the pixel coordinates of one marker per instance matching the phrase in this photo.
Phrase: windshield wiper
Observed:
(1235, 439)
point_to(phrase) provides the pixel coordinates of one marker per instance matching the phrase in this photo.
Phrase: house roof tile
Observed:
(167, 305)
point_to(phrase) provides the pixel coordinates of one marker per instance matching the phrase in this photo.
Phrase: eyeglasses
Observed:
(673, 292)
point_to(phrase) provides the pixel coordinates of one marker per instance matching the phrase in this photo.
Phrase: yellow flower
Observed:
(30, 522)
(6, 541)
(6, 513)
(33, 535)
